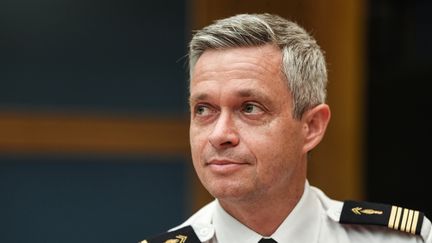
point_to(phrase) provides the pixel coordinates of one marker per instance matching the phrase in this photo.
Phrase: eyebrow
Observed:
(198, 97)
(243, 93)
(256, 94)
(249, 93)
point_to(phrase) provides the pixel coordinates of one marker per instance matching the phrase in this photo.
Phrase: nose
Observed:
(224, 133)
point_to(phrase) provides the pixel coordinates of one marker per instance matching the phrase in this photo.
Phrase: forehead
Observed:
(266, 58)
(246, 71)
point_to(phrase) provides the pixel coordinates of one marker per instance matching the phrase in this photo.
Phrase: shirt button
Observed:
(204, 232)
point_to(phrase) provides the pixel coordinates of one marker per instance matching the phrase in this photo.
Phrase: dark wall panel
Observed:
(93, 55)
(90, 200)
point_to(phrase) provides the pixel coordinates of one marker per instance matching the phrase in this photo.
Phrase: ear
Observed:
(315, 123)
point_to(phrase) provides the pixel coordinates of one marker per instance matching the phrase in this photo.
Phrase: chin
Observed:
(228, 191)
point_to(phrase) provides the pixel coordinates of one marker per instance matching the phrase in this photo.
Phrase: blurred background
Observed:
(94, 116)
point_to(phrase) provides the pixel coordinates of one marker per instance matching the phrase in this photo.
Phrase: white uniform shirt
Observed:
(315, 219)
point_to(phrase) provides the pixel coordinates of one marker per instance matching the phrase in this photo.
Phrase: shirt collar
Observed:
(228, 228)
(301, 225)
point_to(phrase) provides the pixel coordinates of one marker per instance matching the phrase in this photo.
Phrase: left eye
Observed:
(251, 109)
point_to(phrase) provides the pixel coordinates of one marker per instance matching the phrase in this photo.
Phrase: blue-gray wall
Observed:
(120, 56)
(52, 199)
(93, 56)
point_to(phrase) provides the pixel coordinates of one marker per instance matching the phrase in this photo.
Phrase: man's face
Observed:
(244, 140)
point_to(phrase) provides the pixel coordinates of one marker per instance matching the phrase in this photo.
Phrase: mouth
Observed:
(225, 166)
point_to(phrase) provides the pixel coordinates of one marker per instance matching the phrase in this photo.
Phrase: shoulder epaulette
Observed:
(182, 235)
(393, 217)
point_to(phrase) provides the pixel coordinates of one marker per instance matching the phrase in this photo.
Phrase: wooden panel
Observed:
(79, 133)
(204, 12)
(337, 165)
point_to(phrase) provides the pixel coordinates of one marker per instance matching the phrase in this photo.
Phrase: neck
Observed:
(266, 213)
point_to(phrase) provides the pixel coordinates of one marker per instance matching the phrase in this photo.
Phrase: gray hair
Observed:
(303, 60)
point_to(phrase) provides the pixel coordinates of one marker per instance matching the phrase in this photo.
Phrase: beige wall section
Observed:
(58, 133)
(337, 166)
(338, 26)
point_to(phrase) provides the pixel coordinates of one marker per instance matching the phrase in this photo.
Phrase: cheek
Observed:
(198, 140)
(193, 142)
(276, 146)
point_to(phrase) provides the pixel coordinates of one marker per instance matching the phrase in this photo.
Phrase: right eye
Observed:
(202, 110)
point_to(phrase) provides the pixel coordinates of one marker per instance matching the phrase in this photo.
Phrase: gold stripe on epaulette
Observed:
(414, 223)
(398, 217)
(392, 217)
(409, 222)
(407, 219)
(404, 219)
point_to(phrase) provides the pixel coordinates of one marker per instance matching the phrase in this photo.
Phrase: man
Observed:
(257, 101)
